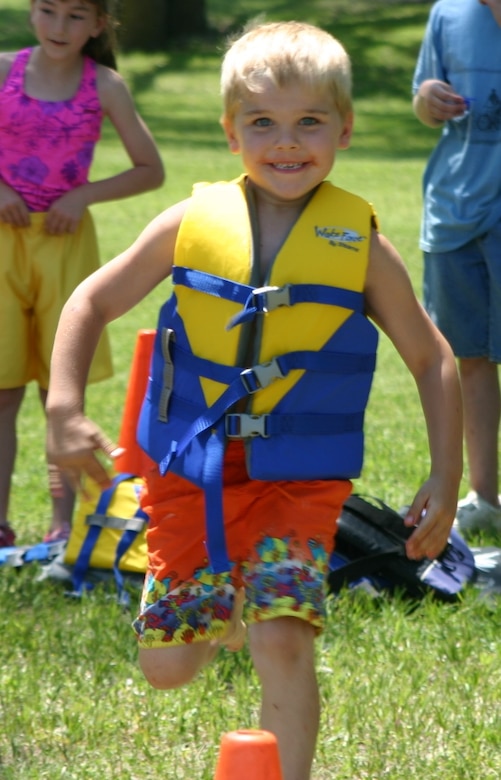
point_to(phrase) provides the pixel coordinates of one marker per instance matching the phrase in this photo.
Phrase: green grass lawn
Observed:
(406, 693)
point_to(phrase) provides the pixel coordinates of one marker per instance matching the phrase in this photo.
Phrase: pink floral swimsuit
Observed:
(46, 147)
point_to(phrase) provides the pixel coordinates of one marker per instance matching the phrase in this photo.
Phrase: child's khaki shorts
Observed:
(38, 272)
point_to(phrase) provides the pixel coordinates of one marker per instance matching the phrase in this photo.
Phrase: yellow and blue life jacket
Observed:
(298, 352)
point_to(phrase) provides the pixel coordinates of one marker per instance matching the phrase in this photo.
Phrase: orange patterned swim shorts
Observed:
(279, 537)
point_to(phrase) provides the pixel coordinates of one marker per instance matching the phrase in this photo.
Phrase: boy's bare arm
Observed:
(393, 306)
(73, 440)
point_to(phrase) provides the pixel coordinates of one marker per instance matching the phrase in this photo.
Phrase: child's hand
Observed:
(13, 209)
(75, 447)
(65, 213)
(432, 513)
(440, 100)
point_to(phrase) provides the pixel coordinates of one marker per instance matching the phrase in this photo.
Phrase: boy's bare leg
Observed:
(167, 668)
(481, 402)
(172, 667)
(10, 403)
(283, 653)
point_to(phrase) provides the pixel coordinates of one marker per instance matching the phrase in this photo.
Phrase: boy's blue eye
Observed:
(263, 121)
(308, 120)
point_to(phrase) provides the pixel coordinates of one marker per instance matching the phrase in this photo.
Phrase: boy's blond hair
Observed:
(285, 53)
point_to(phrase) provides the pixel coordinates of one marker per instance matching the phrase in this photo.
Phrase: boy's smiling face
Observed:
(288, 137)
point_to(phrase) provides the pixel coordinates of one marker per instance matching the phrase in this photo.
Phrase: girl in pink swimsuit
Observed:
(53, 98)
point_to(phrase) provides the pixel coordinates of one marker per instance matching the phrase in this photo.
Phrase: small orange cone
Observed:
(134, 460)
(248, 755)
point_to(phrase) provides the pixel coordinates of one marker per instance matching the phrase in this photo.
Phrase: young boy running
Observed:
(259, 380)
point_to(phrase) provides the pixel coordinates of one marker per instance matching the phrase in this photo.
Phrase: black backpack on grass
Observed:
(370, 549)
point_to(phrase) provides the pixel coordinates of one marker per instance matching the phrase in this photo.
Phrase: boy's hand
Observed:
(75, 447)
(432, 513)
(439, 101)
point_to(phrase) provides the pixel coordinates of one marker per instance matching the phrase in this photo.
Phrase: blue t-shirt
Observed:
(462, 180)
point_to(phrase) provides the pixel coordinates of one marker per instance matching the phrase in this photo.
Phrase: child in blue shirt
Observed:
(457, 87)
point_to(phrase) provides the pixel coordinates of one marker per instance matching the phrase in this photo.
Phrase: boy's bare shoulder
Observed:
(6, 60)
(388, 289)
(160, 234)
(382, 253)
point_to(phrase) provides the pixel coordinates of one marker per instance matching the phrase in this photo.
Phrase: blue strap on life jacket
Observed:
(246, 382)
(82, 563)
(250, 380)
(242, 382)
(258, 300)
(266, 299)
(241, 426)
(213, 491)
(210, 284)
(126, 541)
(256, 376)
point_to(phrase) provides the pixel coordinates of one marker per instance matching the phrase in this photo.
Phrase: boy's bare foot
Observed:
(234, 637)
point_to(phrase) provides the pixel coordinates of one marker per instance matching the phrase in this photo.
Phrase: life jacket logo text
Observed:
(339, 236)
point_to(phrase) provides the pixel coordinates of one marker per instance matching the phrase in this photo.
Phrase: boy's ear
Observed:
(229, 131)
(346, 132)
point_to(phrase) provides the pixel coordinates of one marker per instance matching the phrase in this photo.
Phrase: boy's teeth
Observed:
(287, 165)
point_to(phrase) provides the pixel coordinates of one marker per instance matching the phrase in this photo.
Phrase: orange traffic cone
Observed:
(134, 460)
(248, 755)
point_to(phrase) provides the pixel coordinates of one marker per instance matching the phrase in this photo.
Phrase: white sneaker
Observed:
(475, 514)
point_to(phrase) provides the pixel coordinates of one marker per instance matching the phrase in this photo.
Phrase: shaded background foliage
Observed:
(159, 22)
(183, 29)
(155, 24)
(189, 36)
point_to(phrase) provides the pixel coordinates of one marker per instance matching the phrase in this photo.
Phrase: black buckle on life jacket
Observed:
(272, 297)
(261, 375)
(244, 426)
(167, 339)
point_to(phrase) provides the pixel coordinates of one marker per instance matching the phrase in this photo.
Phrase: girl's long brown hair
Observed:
(103, 48)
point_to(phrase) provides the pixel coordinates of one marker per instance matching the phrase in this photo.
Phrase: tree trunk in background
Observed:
(186, 17)
(151, 24)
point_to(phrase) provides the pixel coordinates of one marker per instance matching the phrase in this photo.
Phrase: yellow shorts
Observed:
(279, 535)
(38, 273)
